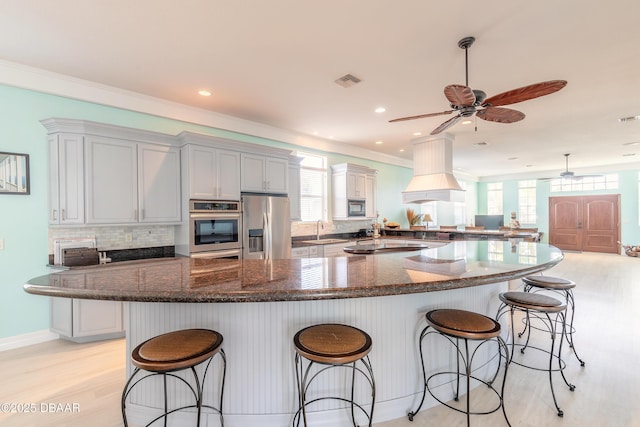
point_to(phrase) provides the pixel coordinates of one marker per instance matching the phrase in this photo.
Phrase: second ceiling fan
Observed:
(467, 102)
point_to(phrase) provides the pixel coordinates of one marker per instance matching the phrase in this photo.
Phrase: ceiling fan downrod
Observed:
(465, 44)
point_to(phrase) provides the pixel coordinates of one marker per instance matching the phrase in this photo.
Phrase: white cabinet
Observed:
(111, 181)
(82, 320)
(158, 183)
(212, 173)
(302, 252)
(129, 183)
(66, 179)
(353, 182)
(263, 174)
(294, 188)
(356, 187)
(370, 199)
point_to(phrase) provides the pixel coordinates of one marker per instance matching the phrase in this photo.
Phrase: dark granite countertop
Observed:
(455, 265)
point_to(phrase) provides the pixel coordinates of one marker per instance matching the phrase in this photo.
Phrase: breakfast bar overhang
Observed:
(258, 305)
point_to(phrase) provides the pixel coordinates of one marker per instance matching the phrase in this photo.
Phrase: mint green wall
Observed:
(23, 219)
(627, 188)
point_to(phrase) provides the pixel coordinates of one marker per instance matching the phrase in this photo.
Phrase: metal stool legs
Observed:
(467, 358)
(197, 391)
(568, 296)
(551, 327)
(304, 378)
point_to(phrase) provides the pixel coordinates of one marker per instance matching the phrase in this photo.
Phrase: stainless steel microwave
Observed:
(356, 208)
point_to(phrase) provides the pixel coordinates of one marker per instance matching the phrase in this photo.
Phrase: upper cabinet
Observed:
(66, 179)
(355, 183)
(112, 181)
(103, 174)
(158, 183)
(264, 174)
(130, 183)
(211, 173)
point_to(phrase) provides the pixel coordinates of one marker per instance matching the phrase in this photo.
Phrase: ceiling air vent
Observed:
(347, 80)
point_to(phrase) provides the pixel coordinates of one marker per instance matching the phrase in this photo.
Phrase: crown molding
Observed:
(25, 77)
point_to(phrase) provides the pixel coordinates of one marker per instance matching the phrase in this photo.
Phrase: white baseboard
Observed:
(24, 340)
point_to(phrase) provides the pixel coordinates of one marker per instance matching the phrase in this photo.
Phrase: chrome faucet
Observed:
(318, 225)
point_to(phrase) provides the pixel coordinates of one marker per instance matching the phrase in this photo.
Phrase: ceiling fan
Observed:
(467, 102)
(567, 174)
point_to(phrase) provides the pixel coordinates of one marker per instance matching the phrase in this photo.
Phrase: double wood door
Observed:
(585, 223)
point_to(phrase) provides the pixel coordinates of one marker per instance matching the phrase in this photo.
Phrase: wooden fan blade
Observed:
(525, 93)
(500, 115)
(421, 116)
(446, 125)
(459, 95)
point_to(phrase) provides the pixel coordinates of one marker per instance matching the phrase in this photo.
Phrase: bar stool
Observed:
(177, 351)
(456, 325)
(564, 287)
(332, 345)
(541, 307)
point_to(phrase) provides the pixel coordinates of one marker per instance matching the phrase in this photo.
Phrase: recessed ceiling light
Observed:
(632, 143)
(204, 92)
(417, 133)
(628, 154)
(480, 144)
(513, 158)
(402, 150)
(466, 122)
(378, 142)
(380, 110)
(628, 119)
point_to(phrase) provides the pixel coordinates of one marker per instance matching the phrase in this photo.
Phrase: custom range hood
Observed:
(433, 178)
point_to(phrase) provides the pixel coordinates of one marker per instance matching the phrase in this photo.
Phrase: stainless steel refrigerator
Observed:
(266, 228)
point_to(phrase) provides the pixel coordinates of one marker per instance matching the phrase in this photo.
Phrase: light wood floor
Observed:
(607, 388)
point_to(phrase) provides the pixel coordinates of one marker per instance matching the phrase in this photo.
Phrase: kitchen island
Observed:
(259, 305)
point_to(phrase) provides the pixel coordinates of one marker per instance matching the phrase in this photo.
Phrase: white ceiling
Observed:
(275, 62)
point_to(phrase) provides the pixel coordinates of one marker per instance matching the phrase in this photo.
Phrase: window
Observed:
(527, 201)
(494, 198)
(313, 187)
(587, 183)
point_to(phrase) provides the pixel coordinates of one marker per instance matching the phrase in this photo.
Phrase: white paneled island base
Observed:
(260, 385)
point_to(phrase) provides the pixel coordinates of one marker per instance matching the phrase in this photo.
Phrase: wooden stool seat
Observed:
(463, 324)
(332, 343)
(549, 282)
(176, 350)
(338, 346)
(527, 300)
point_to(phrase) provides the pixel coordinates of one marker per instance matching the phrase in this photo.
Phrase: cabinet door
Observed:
(228, 175)
(355, 185)
(253, 173)
(202, 173)
(92, 317)
(159, 183)
(370, 190)
(66, 179)
(276, 175)
(111, 181)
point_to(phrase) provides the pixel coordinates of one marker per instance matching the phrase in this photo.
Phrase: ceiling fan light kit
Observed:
(467, 102)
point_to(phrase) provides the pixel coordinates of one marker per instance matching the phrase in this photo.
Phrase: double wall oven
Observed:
(215, 229)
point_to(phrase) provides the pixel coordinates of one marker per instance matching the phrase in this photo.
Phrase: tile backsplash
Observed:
(330, 227)
(118, 237)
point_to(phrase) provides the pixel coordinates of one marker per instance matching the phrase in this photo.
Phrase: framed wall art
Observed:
(14, 173)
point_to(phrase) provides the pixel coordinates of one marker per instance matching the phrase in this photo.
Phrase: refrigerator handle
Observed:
(266, 229)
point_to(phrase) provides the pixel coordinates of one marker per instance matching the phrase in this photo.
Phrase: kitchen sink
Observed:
(324, 241)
